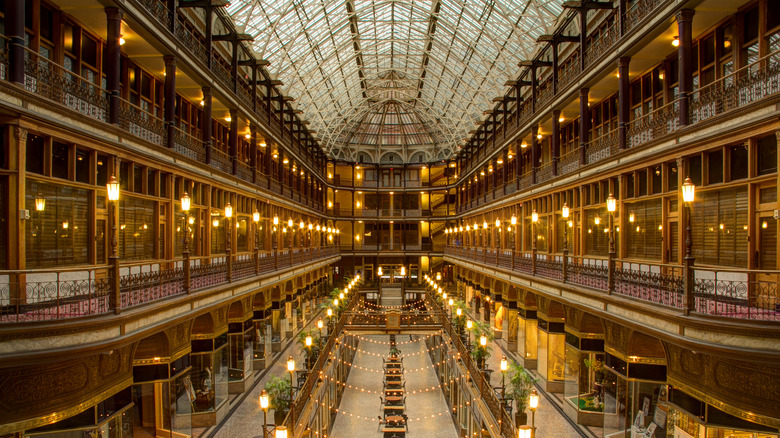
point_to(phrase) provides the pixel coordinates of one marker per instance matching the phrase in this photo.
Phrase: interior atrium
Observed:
(389, 218)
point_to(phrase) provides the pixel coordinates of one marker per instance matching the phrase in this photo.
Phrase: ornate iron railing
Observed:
(602, 147)
(663, 121)
(189, 146)
(141, 123)
(57, 83)
(743, 294)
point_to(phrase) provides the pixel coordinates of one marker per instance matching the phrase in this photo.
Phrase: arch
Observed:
(258, 301)
(276, 293)
(642, 345)
(391, 158)
(591, 324)
(418, 157)
(236, 310)
(288, 287)
(203, 324)
(364, 157)
(156, 345)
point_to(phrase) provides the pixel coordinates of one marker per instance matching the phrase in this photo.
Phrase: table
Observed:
(394, 400)
(394, 392)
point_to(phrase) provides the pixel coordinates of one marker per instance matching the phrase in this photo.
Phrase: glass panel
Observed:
(59, 235)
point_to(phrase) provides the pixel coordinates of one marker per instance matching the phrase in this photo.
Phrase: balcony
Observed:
(65, 293)
(723, 292)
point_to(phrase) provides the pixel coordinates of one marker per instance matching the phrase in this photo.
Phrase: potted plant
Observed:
(519, 389)
(597, 366)
(394, 352)
(310, 352)
(480, 355)
(278, 390)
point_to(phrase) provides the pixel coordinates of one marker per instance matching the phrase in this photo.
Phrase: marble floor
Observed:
(426, 408)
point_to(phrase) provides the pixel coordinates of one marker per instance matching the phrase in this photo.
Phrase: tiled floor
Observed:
(426, 408)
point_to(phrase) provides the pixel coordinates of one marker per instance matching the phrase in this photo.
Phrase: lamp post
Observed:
(534, 220)
(565, 214)
(524, 431)
(330, 319)
(281, 432)
(319, 326)
(185, 253)
(533, 403)
(483, 344)
(256, 220)
(469, 324)
(689, 192)
(228, 239)
(308, 342)
(291, 369)
(504, 367)
(112, 191)
(274, 241)
(513, 222)
(264, 407)
(611, 207)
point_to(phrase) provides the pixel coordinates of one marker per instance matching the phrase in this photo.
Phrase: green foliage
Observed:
(316, 344)
(480, 354)
(480, 328)
(520, 385)
(279, 393)
(394, 351)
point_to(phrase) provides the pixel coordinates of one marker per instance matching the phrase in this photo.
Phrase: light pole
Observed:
(469, 324)
(228, 239)
(319, 326)
(291, 369)
(524, 431)
(112, 190)
(256, 220)
(308, 343)
(274, 241)
(534, 220)
(689, 192)
(504, 367)
(565, 214)
(185, 253)
(533, 403)
(264, 407)
(281, 432)
(611, 207)
(330, 319)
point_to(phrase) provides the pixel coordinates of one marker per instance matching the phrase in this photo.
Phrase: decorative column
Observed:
(233, 139)
(685, 61)
(169, 110)
(623, 102)
(534, 152)
(555, 141)
(113, 56)
(14, 29)
(584, 125)
(253, 150)
(205, 123)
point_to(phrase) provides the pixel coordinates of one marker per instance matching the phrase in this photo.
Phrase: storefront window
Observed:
(136, 228)
(240, 351)
(164, 407)
(59, 234)
(210, 377)
(584, 379)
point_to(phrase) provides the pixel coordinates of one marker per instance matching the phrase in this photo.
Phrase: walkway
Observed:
(360, 408)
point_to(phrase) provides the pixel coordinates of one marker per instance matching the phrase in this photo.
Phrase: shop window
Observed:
(124, 175)
(694, 166)
(656, 179)
(136, 228)
(102, 170)
(738, 162)
(218, 235)
(595, 230)
(82, 166)
(642, 179)
(138, 179)
(60, 162)
(766, 159)
(671, 177)
(242, 234)
(3, 224)
(59, 235)
(715, 167)
(34, 156)
(767, 195)
(151, 182)
(767, 240)
(719, 223)
(644, 233)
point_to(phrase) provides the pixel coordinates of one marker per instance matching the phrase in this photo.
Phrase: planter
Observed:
(521, 418)
(279, 417)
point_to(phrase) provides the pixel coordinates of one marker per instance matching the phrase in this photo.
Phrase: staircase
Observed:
(391, 296)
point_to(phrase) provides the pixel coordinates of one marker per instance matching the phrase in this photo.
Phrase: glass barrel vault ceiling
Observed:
(403, 76)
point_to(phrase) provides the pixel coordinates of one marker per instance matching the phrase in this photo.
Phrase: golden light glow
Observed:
(228, 211)
(688, 190)
(290, 364)
(611, 203)
(185, 202)
(40, 202)
(264, 400)
(112, 188)
(676, 41)
(534, 217)
(565, 211)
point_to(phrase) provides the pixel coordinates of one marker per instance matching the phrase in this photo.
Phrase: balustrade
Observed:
(40, 295)
(723, 292)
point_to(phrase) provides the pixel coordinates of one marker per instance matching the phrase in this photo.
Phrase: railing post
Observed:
(685, 61)
(114, 298)
(690, 298)
(187, 272)
(169, 100)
